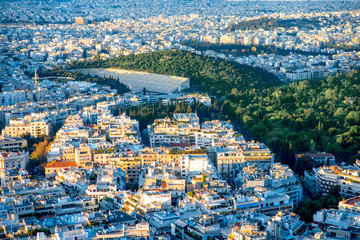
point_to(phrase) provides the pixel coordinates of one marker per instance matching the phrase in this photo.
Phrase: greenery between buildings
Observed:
(321, 115)
(308, 207)
(238, 50)
(33, 232)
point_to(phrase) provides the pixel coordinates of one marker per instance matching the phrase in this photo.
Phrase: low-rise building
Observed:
(322, 158)
(162, 220)
(14, 159)
(12, 143)
(272, 202)
(56, 166)
(207, 226)
(248, 231)
(193, 163)
(285, 225)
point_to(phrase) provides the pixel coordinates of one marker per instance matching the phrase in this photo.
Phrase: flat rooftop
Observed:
(137, 81)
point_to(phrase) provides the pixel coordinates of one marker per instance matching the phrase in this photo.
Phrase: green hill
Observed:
(213, 75)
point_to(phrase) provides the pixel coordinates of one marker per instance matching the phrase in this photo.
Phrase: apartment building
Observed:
(319, 157)
(11, 98)
(271, 202)
(184, 130)
(225, 158)
(102, 158)
(284, 225)
(130, 162)
(310, 181)
(14, 159)
(291, 185)
(170, 158)
(257, 153)
(193, 163)
(180, 130)
(27, 125)
(249, 230)
(149, 157)
(12, 143)
(68, 154)
(122, 126)
(351, 205)
(347, 177)
(12, 176)
(84, 156)
(205, 227)
(74, 121)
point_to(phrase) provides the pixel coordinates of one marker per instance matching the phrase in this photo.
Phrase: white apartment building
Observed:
(291, 185)
(178, 131)
(193, 163)
(271, 202)
(284, 225)
(347, 177)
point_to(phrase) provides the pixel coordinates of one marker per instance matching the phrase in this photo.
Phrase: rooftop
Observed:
(352, 201)
(59, 164)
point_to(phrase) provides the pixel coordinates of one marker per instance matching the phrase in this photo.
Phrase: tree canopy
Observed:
(308, 207)
(272, 23)
(209, 74)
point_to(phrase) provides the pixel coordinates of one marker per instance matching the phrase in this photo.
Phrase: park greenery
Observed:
(238, 50)
(267, 23)
(212, 75)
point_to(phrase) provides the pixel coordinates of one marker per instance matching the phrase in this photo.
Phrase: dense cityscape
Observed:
(197, 120)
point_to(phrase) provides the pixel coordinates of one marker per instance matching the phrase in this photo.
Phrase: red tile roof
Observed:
(352, 201)
(60, 164)
(7, 154)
